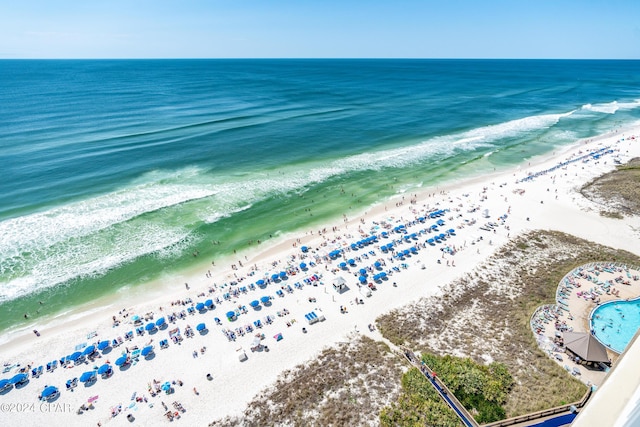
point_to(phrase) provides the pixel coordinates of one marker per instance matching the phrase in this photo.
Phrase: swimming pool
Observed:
(615, 323)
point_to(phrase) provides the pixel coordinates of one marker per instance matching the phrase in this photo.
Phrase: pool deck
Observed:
(579, 293)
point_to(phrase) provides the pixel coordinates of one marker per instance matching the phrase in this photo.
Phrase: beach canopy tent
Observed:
(19, 378)
(49, 392)
(103, 344)
(150, 326)
(147, 350)
(340, 285)
(160, 321)
(254, 303)
(89, 350)
(104, 369)
(122, 360)
(201, 327)
(585, 346)
(87, 376)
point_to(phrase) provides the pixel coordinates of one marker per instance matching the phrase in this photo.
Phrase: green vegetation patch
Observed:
(482, 389)
(418, 405)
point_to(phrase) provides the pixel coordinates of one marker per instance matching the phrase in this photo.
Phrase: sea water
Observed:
(117, 172)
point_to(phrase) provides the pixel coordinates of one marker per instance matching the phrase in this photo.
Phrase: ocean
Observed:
(116, 172)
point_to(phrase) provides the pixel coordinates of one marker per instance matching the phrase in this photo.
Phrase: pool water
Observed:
(615, 323)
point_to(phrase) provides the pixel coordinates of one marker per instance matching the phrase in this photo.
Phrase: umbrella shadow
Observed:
(5, 390)
(150, 356)
(125, 366)
(91, 382)
(204, 332)
(107, 350)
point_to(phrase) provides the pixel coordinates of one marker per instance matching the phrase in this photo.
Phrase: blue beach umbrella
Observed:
(199, 306)
(260, 282)
(383, 274)
(304, 249)
(4, 382)
(103, 344)
(283, 274)
(303, 265)
(274, 276)
(231, 315)
(49, 391)
(18, 378)
(89, 350)
(121, 360)
(343, 265)
(201, 327)
(87, 376)
(150, 326)
(208, 303)
(75, 356)
(254, 303)
(362, 279)
(363, 272)
(147, 350)
(160, 321)
(104, 369)
(166, 386)
(351, 261)
(377, 264)
(265, 299)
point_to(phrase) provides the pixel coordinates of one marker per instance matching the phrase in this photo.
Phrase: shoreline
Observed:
(466, 200)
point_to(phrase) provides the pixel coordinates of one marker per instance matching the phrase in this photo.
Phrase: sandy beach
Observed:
(208, 380)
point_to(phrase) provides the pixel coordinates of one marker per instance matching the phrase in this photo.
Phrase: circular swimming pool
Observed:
(615, 323)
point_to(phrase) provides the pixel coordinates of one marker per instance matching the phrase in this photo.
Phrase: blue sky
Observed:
(320, 29)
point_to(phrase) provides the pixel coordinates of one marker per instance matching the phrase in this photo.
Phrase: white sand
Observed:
(235, 383)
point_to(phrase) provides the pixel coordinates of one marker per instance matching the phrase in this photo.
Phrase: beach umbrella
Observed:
(166, 386)
(160, 321)
(18, 378)
(75, 356)
(260, 282)
(383, 274)
(265, 299)
(121, 360)
(343, 265)
(147, 350)
(254, 303)
(4, 382)
(278, 336)
(283, 274)
(103, 344)
(274, 276)
(199, 306)
(89, 350)
(49, 391)
(304, 249)
(208, 303)
(87, 376)
(303, 265)
(351, 261)
(104, 369)
(231, 315)
(377, 264)
(362, 279)
(135, 318)
(354, 246)
(201, 327)
(150, 326)
(363, 272)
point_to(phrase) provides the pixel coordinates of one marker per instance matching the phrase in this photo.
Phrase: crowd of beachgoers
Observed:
(207, 348)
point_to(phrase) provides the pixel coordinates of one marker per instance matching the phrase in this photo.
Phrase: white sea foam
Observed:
(92, 236)
(612, 107)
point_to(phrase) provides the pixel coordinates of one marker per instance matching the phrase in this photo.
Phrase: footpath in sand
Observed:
(205, 375)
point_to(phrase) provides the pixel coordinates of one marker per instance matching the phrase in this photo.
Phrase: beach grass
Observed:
(347, 384)
(486, 315)
(617, 191)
